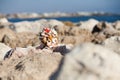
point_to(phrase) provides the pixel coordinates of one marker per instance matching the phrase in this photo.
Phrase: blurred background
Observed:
(71, 6)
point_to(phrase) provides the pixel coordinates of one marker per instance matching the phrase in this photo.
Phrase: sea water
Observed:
(73, 19)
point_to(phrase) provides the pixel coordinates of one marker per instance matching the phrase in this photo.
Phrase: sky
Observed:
(71, 6)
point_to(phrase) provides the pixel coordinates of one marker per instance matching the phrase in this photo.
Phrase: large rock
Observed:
(105, 27)
(55, 23)
(89, 62)
(88, 24)
(103, 30)
(71, 31)
(35, 26)
(75, 40)
(26, 26)
(62, 30)
(22, 39)
(68, 23)
(38, 66)
(113, 43)
(3, 20)
(76, 36)
(117, 25)
(6, 31)
(3, 50)
(76, 31)
(5, 23)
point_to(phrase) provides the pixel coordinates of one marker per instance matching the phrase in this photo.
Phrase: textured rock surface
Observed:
(3, 20)
(38, 66)
(113, 43)
(88, 62)
(26, 26)
(75, 40)
(117, 25)
(35, 26)
(88, 24)
(103, 30)
(3, 50)
(55, 23)
(85, 62)
(6, 31)
(22, 39)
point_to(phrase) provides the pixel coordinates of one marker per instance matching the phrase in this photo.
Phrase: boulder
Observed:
(103, 27)
(76, 36)
(35, 26)
(63, 48)
(75, 40)
(117, 25)
(102, 31)
(26, 26)
(76, 31)
(113, 43)
(37, 66)
(3, 50)
(62, 30)
(68, 23)
(89, 62)
(88, 24)
(6, 31)
(22, 39)
(3, 20)
(53, 23)
(5, 23)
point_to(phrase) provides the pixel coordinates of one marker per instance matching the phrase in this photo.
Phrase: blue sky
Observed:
(41, 6)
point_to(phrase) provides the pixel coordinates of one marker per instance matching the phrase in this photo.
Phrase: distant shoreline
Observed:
(55, 15)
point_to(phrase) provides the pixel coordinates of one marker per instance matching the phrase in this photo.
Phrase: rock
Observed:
(35, 26)
(3, 20)
(5, 23)
(6, 31)
(89, 62)
(19, 52)
(76, 31)
(88, 24)
(113, 43)
(55, 23)
(103, 26)
(68, 23)
(3, 50)
(103, 30)
(38, 66)
(75, 40)
(27, 39)
(77, 36)
(62, 30)
(22, 39)
(71, 31)
(63, 49)
(26, 26)
(117, 25)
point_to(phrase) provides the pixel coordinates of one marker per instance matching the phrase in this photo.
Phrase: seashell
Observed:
(49, 37)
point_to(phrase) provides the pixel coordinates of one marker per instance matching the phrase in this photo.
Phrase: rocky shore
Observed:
(90, 51)
(54, 14)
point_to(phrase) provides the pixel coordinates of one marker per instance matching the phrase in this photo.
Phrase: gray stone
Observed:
(35, 66)
(113, 43)
(3, 50)
(89, 62)
(26, 26)
(88, 24)
(117, 25)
